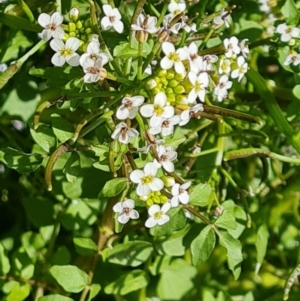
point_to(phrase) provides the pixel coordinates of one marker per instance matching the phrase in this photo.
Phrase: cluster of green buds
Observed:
(173, 84)
(80, 29)
(156, 197)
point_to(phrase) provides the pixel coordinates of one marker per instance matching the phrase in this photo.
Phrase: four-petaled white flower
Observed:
(231, 46)
(173, 57)
(112, 19)
(186, 115)
(93, 52)
(166, 127)
(222, 18)
(65, 52)
(208, 60)
(244, 48)
(146, 179)
(293, 58)
(51, 25)
(241, 69)
(165, 158)
(224, 66)
(158, 110)
(287, 32)
(158, 215)
(129, 107)
(125, 211)
(147, 24)
(180, 194)
(92, 69)
(222, 87)
(200, 84)
(123, 133)
(176, 8)
(196, 61)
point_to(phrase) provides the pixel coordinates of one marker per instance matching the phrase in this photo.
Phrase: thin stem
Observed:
(27, 10)
(140, 61)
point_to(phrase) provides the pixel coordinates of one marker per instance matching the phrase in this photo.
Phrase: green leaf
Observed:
(127, 283)
(4, 261)
(39, 210)
(261, 243)
(94, 290)
(234, 252)
(62, 256)
(71, 278)
(44, 137)
(124, 50)
(176, 280)
(32, 243)
(296, 91)
(55, 297)
(18, 23)
(72, 167)
(177, 222)
(290, 12)
(85, 246)
(200, 195)
(203, 245)
(113, 187)
(19, 293)
(23, 265)
(226, 220)
(132, 253)
(21, 162)
(62, 129)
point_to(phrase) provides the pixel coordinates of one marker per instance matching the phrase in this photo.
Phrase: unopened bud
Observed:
(142, 36)
(170, 74)
(72, 27)
(103, 74)
(72, 34)
(179, 89)
(88, 30)
(173, 83)
(74, 14)
(168, 181)
(79, 25)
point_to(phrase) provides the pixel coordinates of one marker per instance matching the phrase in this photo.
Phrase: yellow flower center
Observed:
(66, 52)
(174, 57)
(147, 180)
(198, 86)
(158, 215)
(158, 110)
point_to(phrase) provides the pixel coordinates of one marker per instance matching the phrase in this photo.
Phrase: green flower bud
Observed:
(162, 73)
(88, 30)
(170, 74)
(173, 83)
(179, 77)
(169, 91)
(72, 27)
(171, 98)
(157, 79)
(79, 25)
(74, 14)
(168, 181)
(149, 202)
(179, 89)
(156, 90)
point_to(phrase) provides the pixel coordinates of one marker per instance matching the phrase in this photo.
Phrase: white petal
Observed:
(74, 60)
(136, 176)
(73, 43)
(116, 132)
(57, 44)
(175, 189)
(186, 185)
(44, 20)
(143, 190)
(132, 132)
(124, 139)
(184, 197)
(183, 54)
(57, 18)
(58, 60)
(133, 214)
(116, 13)
(150, 222)
(175, 201)
(166, 63)
(167, 48)
(150, 169)
(107, 9)
(118, 26)
(155, 130)
(153, 209)
(168, 112)
(105, 23)
(137, 100)
(156, 185)
(118, 208)
(192, 77)
(122, 113)
(129, 203)
(156, 121)
(93, 48)
(166, 207)
(147, 110)
(123, 218)
(58, 33)
(132, 113)
(179, 67)
(164, 219)
(46, 34)
(168, 166)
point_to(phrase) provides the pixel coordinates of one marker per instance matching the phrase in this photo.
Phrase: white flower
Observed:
(222, 18)
(173, 58)
(264, 5)
(244, 48)
(292, 58)
(180, 194)
(176, 8)
(166, 25)
(186, 115)
(51, 25)
(146, 179)
(196, 61)
(222, 87)
(287, 32)
(112, 19)
(65, 52)
(92, 70)
(124, 133)
(126, 211)
(147, 24)
(224, 66)
(158, 215)
(3, 67)
(188, 27)
(231, 46)
(93, 52)
(129, 107)
(165, 158)
(208, 60)
(200, 84)
(158, 110)
(241, 69)
(166, 127)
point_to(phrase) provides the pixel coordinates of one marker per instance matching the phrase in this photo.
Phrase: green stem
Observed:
(272, 107)
(221, 140)
(140, 61)
(27, 10)
(162, 14)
